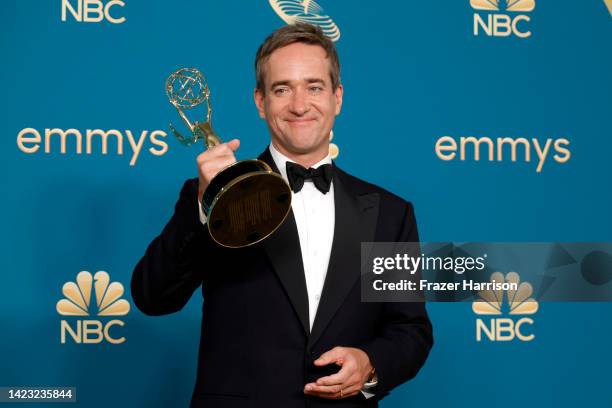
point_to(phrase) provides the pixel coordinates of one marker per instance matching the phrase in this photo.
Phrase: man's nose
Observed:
(299, 103)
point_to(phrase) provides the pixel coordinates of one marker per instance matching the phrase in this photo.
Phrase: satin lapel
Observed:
(355, 222)
(285, 254)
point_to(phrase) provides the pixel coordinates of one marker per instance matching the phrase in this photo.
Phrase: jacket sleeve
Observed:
(403, 343)
(170, 270)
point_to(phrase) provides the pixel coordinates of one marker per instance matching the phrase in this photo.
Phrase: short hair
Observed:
(296, 33)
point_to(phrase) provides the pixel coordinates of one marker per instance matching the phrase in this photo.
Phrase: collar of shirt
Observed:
(281, 161)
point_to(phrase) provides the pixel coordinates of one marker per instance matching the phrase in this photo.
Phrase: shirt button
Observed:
(314, 253)
(317, 297)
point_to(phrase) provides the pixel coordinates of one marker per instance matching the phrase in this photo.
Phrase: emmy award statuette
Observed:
(246, 201)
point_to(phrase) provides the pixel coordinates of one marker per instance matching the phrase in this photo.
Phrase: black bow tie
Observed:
(321, 176)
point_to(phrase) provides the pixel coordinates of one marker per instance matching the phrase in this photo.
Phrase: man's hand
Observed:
(356, 368)
(213, 160)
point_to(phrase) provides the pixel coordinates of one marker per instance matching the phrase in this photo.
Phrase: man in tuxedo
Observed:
(283, 322)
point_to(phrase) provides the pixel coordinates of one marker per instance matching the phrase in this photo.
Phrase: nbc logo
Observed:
(306, 11)
(93, 11)
(77, 302)
(519, 302)
(502, 25)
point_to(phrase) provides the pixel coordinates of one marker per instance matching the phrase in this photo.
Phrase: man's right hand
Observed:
(213, 160)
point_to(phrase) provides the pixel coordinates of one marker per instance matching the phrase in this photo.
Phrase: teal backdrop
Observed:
(413, 72)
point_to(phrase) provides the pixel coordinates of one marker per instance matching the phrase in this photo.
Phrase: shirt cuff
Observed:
(367, 394)
(202, 215)
(368, 386)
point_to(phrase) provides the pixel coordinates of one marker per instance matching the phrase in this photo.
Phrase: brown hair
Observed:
(296, 33)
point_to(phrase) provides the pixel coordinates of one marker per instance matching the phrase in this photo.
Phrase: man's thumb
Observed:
(234, 144)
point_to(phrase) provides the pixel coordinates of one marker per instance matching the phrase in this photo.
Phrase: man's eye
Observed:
(315, 89)
(280, 91)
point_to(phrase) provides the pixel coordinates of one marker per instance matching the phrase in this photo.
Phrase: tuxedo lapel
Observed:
(283, 250)
(355, 222)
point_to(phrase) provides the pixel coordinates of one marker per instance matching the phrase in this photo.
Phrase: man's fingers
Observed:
(335, 355)
(211, 168)
(324, 395)
(349, 379)
(323, 389)
(332, 392)
(351, 390)
(215, 159)
(224, 149)
(340, 377)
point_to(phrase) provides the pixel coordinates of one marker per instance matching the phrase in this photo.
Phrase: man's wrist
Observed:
(372, 380)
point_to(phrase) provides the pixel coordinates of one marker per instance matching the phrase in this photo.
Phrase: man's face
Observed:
(299, 104)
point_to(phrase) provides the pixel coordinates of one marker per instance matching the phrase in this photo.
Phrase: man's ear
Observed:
(338, 94)
(259, 102)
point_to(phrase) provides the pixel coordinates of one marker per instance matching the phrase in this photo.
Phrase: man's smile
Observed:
(300, 121)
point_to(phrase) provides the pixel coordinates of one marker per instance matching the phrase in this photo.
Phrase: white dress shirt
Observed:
(314, 214)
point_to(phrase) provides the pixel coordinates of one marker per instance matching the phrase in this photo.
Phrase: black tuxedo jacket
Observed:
(256, 347)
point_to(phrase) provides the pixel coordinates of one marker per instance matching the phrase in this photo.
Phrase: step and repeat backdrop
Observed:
(494, 117)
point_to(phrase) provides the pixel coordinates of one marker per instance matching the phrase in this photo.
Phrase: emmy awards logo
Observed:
(246, 202)
(306, 11)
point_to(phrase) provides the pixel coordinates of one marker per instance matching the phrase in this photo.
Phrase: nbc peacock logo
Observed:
(510, 5)
(502, 24)
(515, 302)
(78, 302)
(306, 11)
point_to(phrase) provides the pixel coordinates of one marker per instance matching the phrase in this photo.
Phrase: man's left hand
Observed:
(356, 368)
